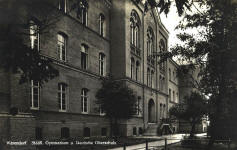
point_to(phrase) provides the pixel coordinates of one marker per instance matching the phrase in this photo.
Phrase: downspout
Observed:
(156, 74)
(143, 77)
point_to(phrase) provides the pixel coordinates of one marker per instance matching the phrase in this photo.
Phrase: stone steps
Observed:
(151, 130)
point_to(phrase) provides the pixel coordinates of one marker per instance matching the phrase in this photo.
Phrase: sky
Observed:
(170, 22)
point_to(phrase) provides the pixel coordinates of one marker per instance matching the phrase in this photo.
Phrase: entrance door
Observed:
(151, 111)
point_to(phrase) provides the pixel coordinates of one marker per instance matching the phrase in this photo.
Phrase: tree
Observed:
(17, 55)
(164, 5)
(192, 110)
(214, 49)
(117, 101)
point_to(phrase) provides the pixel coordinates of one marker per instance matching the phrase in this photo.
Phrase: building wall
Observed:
(117, 48)
(173, 86)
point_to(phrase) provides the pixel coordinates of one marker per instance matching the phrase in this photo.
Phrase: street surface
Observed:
(171, 139)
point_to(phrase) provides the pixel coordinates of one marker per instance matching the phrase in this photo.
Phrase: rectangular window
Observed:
(102, 61)
(152, 78)
(84, 101)
(164, 108)
(177, 97)
(102, 112)
(103, 131)
(169, 74)
(34, 36)
(173, 96)
(102, 20)
(87, 132)
(35, 94)
(170, 95)
(38, 133)
(84, 57)
(84, 16)
(62, 5)
(65, 133)
(161, 110)
(62, 47)
(138, 105)
(62, 96)
(173, 75)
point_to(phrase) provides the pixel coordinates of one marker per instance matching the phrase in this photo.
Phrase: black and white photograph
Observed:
(118, 74)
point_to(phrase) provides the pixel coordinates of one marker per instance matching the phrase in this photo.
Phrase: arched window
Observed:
(102, 24)
(62, 51)
(177, 97)
(152, 78)
(84, 56)
(137, 75)
(34, 35)
(102, 64)
(148, 76)
(134, 29)
(150, 45)
(174, 96)
(162, 50)
(132, 68)
(162, 82)
(161, 110)
(62, 96)
(170, 95)
(84, 100)
(169, 74)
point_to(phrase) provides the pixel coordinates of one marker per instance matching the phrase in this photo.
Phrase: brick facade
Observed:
(116, 46)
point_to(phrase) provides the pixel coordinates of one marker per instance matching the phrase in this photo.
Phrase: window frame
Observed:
(60, 99)
(132, 67)
(84, 96)
(85, 51)
(170, 95)
(102, 64)
(102, 24)
(62, 46)
(152, 78)
(32, 95)
(34, 29)
(84, 16)
(65, 6)
(65, 133)
(137, 72)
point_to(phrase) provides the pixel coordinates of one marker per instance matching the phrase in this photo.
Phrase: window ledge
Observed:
(34, 108)
(62, 110)
(85, 113)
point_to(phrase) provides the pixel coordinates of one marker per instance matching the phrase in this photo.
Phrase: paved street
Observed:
(175, 138)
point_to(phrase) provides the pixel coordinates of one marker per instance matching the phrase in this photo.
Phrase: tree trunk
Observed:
(111, 127)
(116, 128)
(192, 132)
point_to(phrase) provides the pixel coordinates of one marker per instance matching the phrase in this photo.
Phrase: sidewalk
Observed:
(174, 138)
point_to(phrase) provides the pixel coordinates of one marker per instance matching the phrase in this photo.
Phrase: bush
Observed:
(190, 142)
